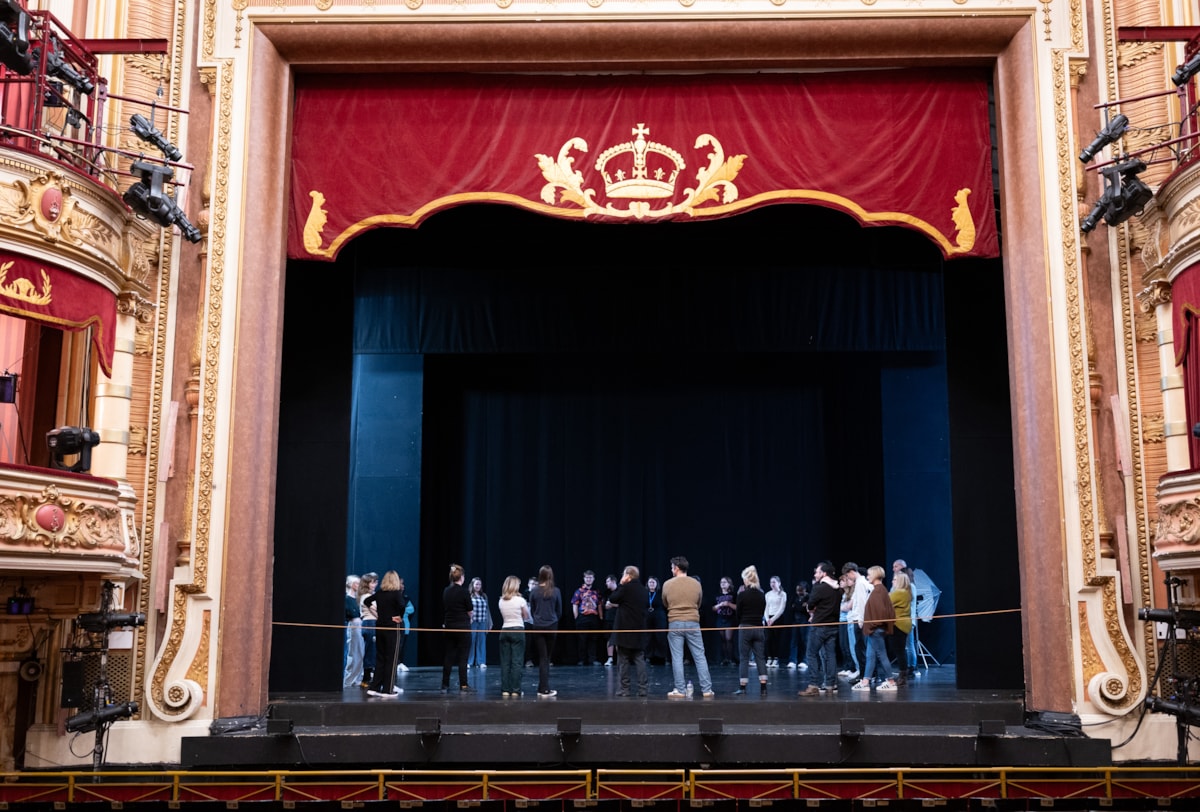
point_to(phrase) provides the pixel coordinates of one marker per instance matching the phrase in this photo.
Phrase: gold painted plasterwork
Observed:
(1130, 680)
(73, 524)
(1088, 655)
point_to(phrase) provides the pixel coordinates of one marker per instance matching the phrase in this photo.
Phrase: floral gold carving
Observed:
(57, 523)
(1154, 428)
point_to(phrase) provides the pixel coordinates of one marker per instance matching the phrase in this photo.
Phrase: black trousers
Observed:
(458, 644)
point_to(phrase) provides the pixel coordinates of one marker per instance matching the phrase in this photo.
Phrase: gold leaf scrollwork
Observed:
(23, 290)
(565, 184)
(68, 524)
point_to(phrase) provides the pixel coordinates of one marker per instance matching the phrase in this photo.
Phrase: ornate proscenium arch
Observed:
(643, 148)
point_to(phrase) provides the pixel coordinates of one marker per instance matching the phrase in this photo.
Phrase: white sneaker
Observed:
(864, 685)
(853, 675)
(397, 691)
(402, 667)
(803, 666)
(888, 685)
(483, 665)
(609, 662)
(844, 673)
(791, 666)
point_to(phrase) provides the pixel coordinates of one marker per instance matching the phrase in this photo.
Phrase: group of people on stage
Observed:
(847, 624)
(378, 618)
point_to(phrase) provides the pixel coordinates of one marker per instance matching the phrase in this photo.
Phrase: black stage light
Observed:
(1186, 71)
(1188, 713)
(103, 621)
(1125, 195)
(85, 722)
(148, 197)
(57, 66)
(852, 728)
(146, 131)
(1111, 132)
(1178, 617)
(14, 37)
(67, 440)
(8, 387)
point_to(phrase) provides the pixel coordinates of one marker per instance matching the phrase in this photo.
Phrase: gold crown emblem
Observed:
(652, 174)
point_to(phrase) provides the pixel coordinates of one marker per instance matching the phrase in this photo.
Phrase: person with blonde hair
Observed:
(897, 641)
(389, 602)
(878, 619)
(352, 655)
(514, 613)
(751, 603)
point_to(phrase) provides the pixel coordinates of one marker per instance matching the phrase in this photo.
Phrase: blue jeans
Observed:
(852, 632)
(477, 655)
(678, 632)
(877, 664)
(353, 673)
(822, 656)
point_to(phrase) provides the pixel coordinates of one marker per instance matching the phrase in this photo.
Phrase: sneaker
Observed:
(864, 685)
(791, 666)
(621, 693)
(505, 693)
(483, 665)
(397, 691)
(402, 667)
(547, 694)
(608, 663)
(853, 675)
(811, 690)
(803, 666)
(887, 685)
(375, 693)
(466, 689)
(845, 673)
(740, 691)
(673, 694)
(708, 694)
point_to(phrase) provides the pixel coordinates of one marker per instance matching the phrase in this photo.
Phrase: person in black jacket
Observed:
(389, 602)
(456, 603)
(751, 604)
(824, 605)
(629, 600)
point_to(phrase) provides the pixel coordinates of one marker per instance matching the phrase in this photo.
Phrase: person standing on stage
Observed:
(368, 585)
(545, 605)
(588, 612)
(388, 603)
(481, 624)
(656, 621)
(352, 653)
(681, 595)
(726, 614)
(610, 586)
(627, 604)
(457, 606)
(879, 618)
(824, 604)
(897, 642)
(751, 604)
(514, 613)
(777, 601)
(860, 589)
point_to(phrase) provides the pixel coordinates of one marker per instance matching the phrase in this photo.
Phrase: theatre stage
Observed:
(929, 722)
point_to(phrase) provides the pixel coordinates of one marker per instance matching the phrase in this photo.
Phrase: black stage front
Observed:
(928, 722)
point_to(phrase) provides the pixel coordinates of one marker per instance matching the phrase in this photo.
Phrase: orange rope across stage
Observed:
(530, 630)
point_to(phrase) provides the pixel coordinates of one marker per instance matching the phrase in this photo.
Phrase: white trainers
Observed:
(673, 694)
(864, 685)
(791, 666)
(483, 665)
(402, 667)
(803, 666)
(888, 685)
(853, 675)
(608, 662)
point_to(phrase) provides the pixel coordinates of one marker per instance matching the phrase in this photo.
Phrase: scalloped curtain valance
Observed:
(907, 147)
(39, 291)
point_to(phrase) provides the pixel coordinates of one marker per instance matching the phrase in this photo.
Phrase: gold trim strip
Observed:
(114, 436)
(114, 390)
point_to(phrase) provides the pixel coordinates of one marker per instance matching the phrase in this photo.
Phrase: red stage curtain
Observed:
(45, 293)
(907, 147)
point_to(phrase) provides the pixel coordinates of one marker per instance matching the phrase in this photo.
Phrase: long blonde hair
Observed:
(512, 585)
(390, 582)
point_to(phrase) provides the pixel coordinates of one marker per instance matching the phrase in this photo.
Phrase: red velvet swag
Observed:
(36, 290)
(908, 148)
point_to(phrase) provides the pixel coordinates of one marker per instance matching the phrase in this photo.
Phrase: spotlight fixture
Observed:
(146, 131)
(1111, 132)
(1189, 714)
(14, 37)
(98, 622)
(1124, 195)
(86, 722)
(67, 440)
(149, 198)
(8, 387)
(1186, 71)
(58, 67)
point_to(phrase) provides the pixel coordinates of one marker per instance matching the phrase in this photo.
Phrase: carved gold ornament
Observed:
(961, 215)
(1178, 523)
(24, 290)
(56, 523)
(315, 224)
(640, 171)
(42, 203)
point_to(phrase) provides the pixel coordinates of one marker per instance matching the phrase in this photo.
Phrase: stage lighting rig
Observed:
(1125, 195)
(1111, 132)
(149, 198)
(14, 37)
(1186, 71)
(57, 66)
(66, 440)
(98, 622)
(91, 720)
(146, 131)
(1176, 617)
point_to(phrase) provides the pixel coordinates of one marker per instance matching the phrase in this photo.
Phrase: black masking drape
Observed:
(596, 396)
